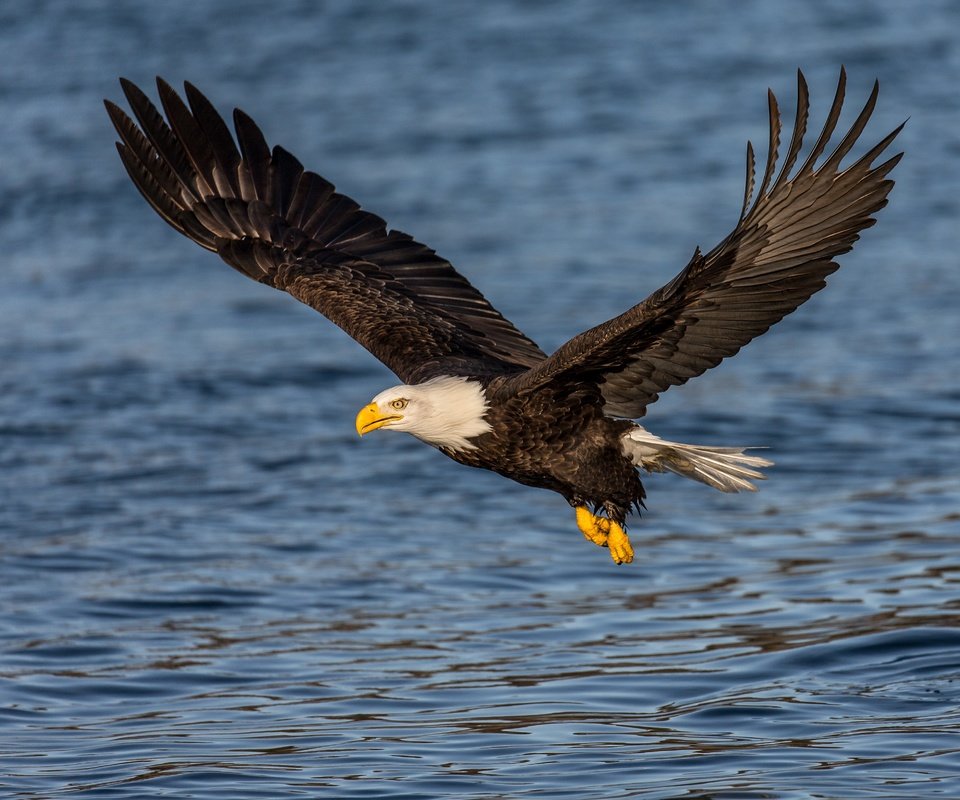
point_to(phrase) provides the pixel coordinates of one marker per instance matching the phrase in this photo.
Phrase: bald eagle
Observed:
(474, 386)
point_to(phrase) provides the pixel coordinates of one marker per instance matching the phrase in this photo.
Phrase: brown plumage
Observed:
(560, 422)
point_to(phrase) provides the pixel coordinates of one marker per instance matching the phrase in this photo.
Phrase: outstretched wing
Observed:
(777, 257)
(284, 226)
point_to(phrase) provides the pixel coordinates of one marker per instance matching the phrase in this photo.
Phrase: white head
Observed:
(444, 412)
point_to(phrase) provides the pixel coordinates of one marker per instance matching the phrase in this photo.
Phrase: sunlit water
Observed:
(209, 587)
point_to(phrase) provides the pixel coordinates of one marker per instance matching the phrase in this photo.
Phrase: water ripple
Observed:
(209, 587)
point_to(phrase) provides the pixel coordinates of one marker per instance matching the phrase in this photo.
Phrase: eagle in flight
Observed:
(474, 386)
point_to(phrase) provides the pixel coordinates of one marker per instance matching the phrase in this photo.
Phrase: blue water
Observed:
(211, 588)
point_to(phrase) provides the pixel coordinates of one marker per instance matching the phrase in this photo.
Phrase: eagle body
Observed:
(563, 442)
(474, 386)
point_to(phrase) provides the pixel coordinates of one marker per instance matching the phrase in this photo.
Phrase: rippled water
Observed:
(209, 587)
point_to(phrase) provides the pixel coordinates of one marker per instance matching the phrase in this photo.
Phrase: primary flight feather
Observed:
(474, 386)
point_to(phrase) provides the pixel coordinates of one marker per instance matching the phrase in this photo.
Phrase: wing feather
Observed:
(799, 131)
(780, 254)
(772, 147)
(287, 227)
(749, 183)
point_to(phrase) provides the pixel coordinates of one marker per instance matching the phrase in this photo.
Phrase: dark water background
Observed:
(210, 587)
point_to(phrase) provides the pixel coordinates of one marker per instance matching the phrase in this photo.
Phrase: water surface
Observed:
(209, 587)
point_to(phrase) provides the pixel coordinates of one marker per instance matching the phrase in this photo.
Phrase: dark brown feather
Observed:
(776, 258)
(286, 227)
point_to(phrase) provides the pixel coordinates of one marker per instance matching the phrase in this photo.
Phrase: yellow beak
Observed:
(371, 417)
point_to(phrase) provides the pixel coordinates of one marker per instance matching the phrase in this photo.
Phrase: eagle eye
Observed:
(399, 405)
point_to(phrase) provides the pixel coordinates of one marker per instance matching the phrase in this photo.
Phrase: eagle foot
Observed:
(605, 533)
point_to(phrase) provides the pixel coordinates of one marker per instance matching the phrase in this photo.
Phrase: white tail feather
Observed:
(725, 468)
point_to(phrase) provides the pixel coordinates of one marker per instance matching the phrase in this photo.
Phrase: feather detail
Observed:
(776, 258)
(287, 227)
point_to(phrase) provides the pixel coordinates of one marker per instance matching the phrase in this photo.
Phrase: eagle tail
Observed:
(728, 469)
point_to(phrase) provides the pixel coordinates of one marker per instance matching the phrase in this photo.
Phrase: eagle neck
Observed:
(457, 413)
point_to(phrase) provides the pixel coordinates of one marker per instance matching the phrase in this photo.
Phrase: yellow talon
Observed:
(605, 533)
(619, 544)
(591, 527)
